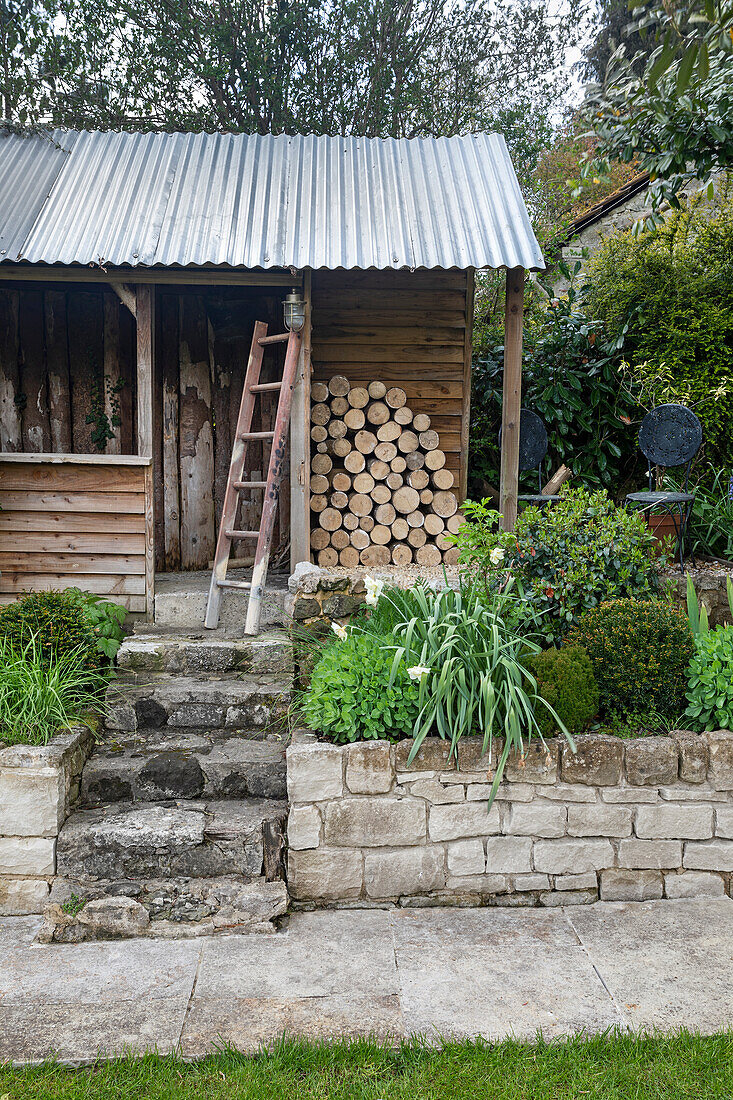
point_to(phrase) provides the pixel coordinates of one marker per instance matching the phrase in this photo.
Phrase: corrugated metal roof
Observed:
(250, 201)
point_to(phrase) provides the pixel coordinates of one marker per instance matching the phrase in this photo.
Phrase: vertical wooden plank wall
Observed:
(405, 329)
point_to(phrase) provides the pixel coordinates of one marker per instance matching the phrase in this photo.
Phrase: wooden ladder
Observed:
(227, 531)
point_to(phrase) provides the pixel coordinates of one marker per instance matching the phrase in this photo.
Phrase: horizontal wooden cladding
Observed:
(22, 561)
(71, 477)
(132, 603)
(69, 523)
(331, 335)
(32, 501)
(351, 351)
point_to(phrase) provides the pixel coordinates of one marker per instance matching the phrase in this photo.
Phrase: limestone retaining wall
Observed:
(620, 819)
(37, 785)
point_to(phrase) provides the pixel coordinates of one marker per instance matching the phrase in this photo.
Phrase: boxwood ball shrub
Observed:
(575, 554)
(359, 692)
(710, 692)
(56, 620)
(565, 680)
(640, 651)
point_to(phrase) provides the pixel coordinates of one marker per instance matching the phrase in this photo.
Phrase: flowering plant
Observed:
(483, 546)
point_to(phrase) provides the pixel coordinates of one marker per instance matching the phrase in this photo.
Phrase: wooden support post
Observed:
(145, 313)
(300, 444)
(126, 295)
(512, 398)
(466, 411)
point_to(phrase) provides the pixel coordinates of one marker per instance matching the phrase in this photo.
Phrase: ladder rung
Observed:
(234, 534)
(279, 339)
(250, 484)
(264, 387)
(257, 435)
(234, 584)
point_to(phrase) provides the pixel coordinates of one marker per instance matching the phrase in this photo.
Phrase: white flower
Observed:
(496, 556)
(417, 672)
(373, 590)
(340, 631)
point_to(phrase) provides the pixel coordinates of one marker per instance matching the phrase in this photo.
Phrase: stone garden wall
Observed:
(711, 586)
(620, 820)
(37, 786)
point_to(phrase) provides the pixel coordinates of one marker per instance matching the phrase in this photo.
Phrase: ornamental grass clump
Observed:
(473, 660)
(40, 695)
(640, 651)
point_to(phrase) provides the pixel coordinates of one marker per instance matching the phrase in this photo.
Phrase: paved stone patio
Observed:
(462, 972)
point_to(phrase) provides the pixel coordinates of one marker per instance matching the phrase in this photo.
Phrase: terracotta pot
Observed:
(662, 526)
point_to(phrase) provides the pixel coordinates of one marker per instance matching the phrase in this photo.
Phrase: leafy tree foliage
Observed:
(612, 28)
(676, 119)
(386, 68)
(669, 295)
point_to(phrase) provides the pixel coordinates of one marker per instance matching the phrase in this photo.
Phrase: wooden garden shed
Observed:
(132, 270)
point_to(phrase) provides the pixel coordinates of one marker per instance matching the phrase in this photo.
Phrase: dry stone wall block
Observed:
(650, 854)
(693, 756)
(369, 768)
(670, 821)
(572, 857)
(463, 820)
(597, 761)
(27, 855)
(714, 855)
(466, 857)
(621, 884)
(31, 801)
(315, 773)
(539, 764)
(20, 896)
(372, 822)
(326, 874)
(304, 827)
(509, 855)
(432, 755)
(418, 870)
(602, 820)
(651, 761)
(693, 884)
(720, 767)
(543, 819)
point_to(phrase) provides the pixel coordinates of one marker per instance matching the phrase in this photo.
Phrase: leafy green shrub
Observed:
(42, 691)
(56, 621)
(571, 378)
(105, 618)
(710, 689)
(359, 692)
(565, 680)
(640, 651)
(670, 295)
(579, 552)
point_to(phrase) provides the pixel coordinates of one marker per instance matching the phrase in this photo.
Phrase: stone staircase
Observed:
(180, 825)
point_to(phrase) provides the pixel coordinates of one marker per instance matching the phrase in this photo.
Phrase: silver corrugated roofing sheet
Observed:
(248, 201)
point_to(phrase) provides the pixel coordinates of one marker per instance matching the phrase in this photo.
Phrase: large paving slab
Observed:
(494, 973)
(667, 964)
(491, 972)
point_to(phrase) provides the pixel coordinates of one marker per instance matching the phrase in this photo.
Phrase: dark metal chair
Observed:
(670, 435)
(532, 451)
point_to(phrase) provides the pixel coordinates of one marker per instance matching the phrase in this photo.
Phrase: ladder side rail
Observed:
(274, 477)
(236, 469)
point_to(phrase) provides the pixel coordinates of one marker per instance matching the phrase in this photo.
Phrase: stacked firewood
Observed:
(380, 490)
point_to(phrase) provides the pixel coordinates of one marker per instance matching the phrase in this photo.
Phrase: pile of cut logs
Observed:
(380, 492)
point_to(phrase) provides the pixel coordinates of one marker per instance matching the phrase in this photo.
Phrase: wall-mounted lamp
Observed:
(294, 311)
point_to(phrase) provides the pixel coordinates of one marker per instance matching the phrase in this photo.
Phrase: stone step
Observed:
(234, 701)
(180, 601)
(269, 654)
(83, 909)
(135, 842)
(157, 765)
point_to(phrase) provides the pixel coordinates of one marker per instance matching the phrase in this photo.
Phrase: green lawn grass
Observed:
(614, 1066)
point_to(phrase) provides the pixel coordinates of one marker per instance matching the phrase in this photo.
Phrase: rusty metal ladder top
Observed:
(228, 533)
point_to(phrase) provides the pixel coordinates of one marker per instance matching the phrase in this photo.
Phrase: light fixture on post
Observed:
(294, 311)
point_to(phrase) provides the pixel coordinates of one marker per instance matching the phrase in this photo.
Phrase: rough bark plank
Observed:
(10, 392)
(35, 420)
(169, 363)
(57, 366)
(196, 438)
